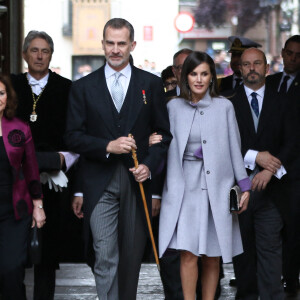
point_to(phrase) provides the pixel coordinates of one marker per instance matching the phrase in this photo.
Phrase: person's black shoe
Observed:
(232, 281)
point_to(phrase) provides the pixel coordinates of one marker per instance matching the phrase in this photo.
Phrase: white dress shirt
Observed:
(37, 85)
(289, 82)
(250, 157)
(124, 79)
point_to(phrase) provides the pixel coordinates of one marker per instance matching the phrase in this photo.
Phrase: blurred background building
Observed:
(161, 28)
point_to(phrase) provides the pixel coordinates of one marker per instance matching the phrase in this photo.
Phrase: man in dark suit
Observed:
(43, 97)
(287, 84)
(266, 147)
(104, 108)
(238, 45)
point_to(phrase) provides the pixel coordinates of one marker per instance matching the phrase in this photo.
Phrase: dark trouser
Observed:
(44, 273)
(44, 281)
(13, 254)
(291, 244)
(170, 276)
(258, 269)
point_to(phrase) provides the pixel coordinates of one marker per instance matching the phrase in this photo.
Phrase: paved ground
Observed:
(76, 282)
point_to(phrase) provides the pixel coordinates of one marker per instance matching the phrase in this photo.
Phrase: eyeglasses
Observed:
(172, 83)
(178, 68)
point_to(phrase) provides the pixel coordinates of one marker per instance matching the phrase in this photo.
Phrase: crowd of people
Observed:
(69, 145)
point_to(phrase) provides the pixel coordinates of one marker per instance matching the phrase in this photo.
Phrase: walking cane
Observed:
(136, 164)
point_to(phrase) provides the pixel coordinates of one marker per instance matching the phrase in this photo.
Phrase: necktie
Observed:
(254, 104)
(237, 82)
(117, 92)
(283, 87)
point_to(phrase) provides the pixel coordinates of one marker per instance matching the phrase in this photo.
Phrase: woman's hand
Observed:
(154, 138)
(38, 215)
(244, 201)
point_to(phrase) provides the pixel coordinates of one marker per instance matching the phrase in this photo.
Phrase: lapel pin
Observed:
(296, 83)
(144, 96)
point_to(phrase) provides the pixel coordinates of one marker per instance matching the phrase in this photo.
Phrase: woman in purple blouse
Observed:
(21, 205)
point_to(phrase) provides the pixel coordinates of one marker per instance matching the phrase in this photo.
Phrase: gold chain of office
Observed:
(33, 116)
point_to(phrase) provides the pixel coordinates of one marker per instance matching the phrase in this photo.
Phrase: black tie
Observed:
(283, 87)
(237, 82)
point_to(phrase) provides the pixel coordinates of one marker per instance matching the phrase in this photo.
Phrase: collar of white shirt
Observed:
(260, 95)
(291, 79)
(109, 71)
(292, 76)
(37, 85)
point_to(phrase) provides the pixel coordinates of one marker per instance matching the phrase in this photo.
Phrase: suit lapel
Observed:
(133, 101)
(245, 110)
(104, 104)
(269, 102)
(295, 85)
(277, 79)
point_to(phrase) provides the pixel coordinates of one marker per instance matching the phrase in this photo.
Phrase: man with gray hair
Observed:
(43, 97)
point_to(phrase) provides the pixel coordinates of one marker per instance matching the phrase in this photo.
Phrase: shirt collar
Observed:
(42, 82)
(109, 71)
(236, 77)
(292, 76)
(260, 92)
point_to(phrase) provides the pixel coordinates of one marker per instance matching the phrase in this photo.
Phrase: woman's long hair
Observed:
(11, 102)
(191, 62)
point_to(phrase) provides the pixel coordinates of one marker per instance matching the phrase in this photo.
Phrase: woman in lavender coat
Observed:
(204, 162)
(21, 203)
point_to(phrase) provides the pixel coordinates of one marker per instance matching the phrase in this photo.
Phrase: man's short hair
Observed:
(33, 34)
(293, 38)
(167, 73)
(118, 23)
(186, 51)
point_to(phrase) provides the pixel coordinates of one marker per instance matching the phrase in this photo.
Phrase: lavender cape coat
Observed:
(223, 165)
(20, 150)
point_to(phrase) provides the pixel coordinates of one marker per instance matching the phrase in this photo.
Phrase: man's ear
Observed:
(24, 56)
(133, 44)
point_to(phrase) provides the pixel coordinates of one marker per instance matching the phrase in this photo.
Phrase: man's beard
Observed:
(259, 78)
(117, 63)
